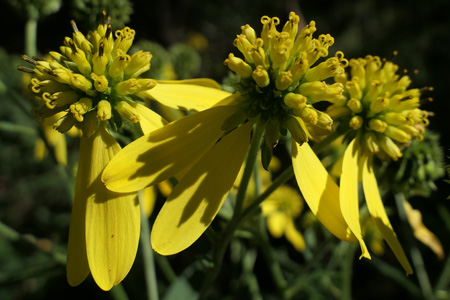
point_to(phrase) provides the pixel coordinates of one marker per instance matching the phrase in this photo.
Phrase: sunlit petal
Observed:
(149, 119)
(185, 96)
(206, 82)
(379, 216)
(319, 190)
(167, 151)
(349, 194)
(197, 198)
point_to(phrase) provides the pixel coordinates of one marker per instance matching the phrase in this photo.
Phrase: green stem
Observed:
(280, 180)
(248, 170)
(166, 268)
(147, 252)
(118, 293)
(233, 224)
(444, 278)
(30, 37)
(348, 271)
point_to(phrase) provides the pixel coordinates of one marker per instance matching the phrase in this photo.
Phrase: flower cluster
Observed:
(92, 79)
(278, 81)
(378, 106)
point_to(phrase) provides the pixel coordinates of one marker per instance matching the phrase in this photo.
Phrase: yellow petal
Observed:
(276, 223)
(196, 81)
(149, 119)
(349, 194)
(112, 221)
(379, 216)
(167, 151)
(421, 232)
(319, 190)
(294, 236)
(185, 96)
(197, 198)
(149, 195)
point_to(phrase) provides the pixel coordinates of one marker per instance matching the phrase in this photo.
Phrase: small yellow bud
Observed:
(324, 120)
(145, 84)
(309, 115)
(120, 62)
(379, 104)
(356, 122)
(299, 68)
(127, 87)
(128, 112)
(394, 118)
(295, 101)
(378, 125)
(258, 53)
(373, 92)
(354, 89)
(372, 142)
(338, 111)
(249, 33)
(355, 105)
(294, 125)
(104, 110)
(80, 82)
(243, 44)
(100, 82)
(140, 63)
(329, 68)
(261, 76)
(320, 91)
(238, 66)
(397, 134)
(80, 108)
(100, 61)
(283, 81)
(390, 147)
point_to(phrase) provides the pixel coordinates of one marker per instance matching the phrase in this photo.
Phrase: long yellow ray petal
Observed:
(167, 151)
(77, 268)
(149, 119)
(319, 190)
(197, 198)
(378, 213)
(112, 219)
(185, 96)
(349, 194)
(195, 81)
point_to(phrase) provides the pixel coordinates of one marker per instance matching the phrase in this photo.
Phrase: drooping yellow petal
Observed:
(167, 151)
(349, 194)
(378, 213)
(197, 198)
(112, 220)
(185, 96)
(319, 190)
(206, 82)
(149, 119)
(294, 236)
(421, 232)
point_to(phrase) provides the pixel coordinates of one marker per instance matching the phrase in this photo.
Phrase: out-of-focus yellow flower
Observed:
(278, 85)
(56, 140)
(421, 232)
(93, 82)
(382, 116)
(281, 209)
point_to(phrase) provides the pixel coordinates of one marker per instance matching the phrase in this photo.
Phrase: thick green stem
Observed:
(148, 257)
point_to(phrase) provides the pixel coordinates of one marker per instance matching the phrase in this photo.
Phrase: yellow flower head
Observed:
(378, 107)
(91, 79)
(278, 81)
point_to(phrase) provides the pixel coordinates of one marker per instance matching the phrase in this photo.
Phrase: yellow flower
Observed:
(381, 116)
(92, 81)
(281, 209)
(205, 150)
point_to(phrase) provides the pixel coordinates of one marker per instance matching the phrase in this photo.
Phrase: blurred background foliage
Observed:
(191, 38)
